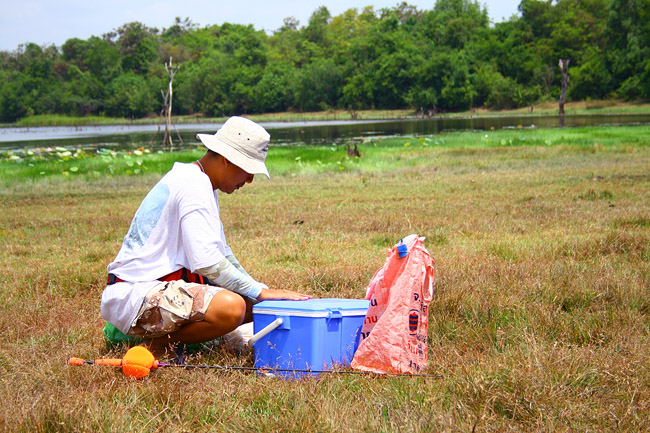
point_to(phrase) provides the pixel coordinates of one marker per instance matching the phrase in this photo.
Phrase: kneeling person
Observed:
(175, 280)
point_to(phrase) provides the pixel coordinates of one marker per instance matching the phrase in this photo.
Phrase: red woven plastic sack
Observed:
(394, 333)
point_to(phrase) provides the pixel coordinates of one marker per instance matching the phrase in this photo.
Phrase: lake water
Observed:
(292, 133)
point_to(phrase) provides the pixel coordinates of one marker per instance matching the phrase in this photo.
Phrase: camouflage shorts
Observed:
(170, 305)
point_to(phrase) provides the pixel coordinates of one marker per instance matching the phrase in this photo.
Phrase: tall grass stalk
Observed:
(540, 319)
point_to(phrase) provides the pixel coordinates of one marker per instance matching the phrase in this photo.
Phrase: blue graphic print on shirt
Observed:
(147, 216)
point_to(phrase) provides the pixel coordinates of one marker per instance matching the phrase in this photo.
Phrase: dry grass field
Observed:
(540, 319)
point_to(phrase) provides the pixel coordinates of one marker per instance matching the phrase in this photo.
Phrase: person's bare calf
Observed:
(227, 310)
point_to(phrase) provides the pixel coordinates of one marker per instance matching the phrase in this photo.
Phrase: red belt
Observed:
(181, 274)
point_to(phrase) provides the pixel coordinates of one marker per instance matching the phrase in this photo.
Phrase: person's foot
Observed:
(238, 339)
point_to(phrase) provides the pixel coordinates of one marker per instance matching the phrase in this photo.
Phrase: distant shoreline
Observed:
(546, 108)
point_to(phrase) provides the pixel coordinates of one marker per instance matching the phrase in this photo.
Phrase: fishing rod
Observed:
(139, 361)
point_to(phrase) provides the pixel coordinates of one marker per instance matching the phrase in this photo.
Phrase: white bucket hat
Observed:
(242, 142)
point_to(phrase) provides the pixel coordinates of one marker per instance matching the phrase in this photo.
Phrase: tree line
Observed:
(449, 58)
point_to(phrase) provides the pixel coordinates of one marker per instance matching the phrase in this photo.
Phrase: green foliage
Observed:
(455, 23)
(274, 91)
(318, 85)
(137, 46)
(12, 106)
(628, 47)
(498, 92)
(448, 58)
(129, 96)
(591, 79)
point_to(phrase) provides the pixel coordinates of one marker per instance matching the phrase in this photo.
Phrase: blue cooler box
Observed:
(316, 334)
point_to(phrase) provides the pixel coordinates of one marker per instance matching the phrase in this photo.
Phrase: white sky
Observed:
(55, 21)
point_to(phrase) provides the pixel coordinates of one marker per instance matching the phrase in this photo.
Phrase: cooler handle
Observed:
(334, 314)
(268, 328)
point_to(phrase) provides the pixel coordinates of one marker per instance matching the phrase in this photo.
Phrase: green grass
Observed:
(543, 108)
(63, 120)
(381, 154)
(540, 319)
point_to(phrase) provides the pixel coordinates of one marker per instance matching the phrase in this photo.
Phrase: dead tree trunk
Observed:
(564, 67)
(166, 111)
(171, 71)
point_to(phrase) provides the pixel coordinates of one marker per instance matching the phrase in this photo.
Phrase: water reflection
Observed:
(292, 133)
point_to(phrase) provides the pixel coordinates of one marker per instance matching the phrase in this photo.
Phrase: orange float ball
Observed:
(138, 362)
